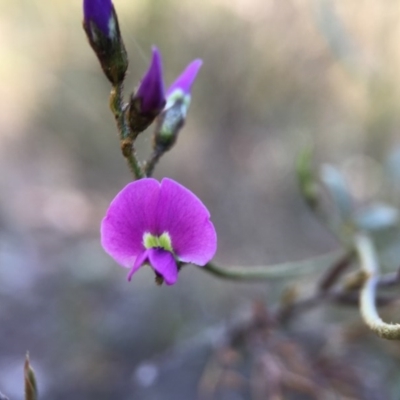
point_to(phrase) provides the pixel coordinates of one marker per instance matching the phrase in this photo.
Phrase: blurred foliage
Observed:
(276, 76)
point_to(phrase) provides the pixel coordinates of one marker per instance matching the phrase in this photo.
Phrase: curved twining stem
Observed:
(370, 266)
(273, 272)
(126, 135)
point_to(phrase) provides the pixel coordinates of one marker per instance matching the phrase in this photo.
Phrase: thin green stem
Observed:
(126, 135)
(273, 272)
(370, 266)
(129, 152)
(152, 162)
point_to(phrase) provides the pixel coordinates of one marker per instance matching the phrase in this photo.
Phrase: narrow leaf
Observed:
(30, 381)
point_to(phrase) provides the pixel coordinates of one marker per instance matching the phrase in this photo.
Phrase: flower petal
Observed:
(130, 215)
(140, 260)
(187, 221)
(164, 263)
(185, 80)
(98, 11)
(151, 88)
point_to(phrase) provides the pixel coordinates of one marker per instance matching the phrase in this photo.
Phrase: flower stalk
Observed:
(151, 163)
(274, 272)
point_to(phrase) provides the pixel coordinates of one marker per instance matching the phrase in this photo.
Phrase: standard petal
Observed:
(140, 260)
(130, 215)
(185, 80)
(187, 221)
(164, 263)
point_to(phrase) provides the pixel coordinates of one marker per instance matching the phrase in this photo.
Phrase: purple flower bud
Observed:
(100, 13)
(149, 99)
(173, 117)
(169, 123)
(151, 88)
(100, 23)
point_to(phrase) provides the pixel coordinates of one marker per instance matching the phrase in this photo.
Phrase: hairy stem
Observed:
(126, 135)
(370, 266)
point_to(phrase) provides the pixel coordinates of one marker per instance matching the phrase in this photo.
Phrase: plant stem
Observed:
(333, 274)
(152, 162)
(126, 135)
(129, 152)
(370, 266)
(273, 272)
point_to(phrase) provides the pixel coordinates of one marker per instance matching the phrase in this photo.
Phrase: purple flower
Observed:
(100, 13)
(159, 224)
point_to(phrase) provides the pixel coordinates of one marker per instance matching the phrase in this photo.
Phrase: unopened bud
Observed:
(173, 118)
(169, 123)
(149, 99)
(100, 23)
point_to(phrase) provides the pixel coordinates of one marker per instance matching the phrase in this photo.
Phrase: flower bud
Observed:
(173, 118)
(170, 122)
(149, 99)
(100, 23)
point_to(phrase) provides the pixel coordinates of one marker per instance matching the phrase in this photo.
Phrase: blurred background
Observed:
(277, 76)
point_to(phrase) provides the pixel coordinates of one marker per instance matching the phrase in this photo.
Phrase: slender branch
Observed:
(340, 296)
(370, 265)
(152, 162)
(333, 274)
(346, 294)
(126, 135)
(390, 279)
(279, 271)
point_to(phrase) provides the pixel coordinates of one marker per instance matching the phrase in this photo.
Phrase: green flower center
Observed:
(163, 241)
